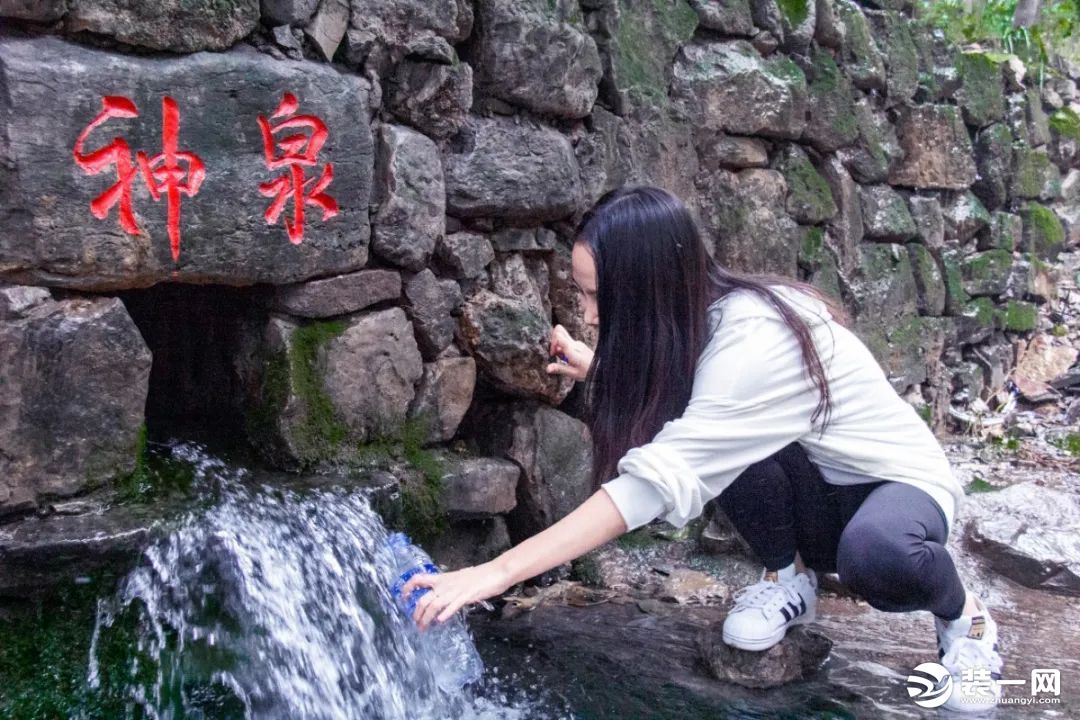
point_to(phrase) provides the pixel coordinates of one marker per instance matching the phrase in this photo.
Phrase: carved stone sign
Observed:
(120, 171)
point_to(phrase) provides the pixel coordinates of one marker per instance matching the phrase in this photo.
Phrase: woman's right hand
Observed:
(579, 356)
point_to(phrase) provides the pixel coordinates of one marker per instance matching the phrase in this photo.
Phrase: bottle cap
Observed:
(398, 540)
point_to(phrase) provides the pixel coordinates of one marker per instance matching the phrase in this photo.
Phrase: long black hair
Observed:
(655, 282)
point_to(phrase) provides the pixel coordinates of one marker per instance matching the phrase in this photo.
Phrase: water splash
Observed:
(278, 598)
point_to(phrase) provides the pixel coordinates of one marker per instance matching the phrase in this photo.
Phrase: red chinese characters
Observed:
(298, 150)
(168, 174)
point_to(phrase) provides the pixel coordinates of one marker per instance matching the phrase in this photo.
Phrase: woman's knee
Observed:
(877, 560)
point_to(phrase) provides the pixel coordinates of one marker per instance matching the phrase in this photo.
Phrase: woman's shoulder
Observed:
(746, 303)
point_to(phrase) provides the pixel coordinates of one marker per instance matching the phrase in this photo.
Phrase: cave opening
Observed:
(197, 335)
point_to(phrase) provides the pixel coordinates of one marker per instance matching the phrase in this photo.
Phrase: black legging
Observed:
(884, 539)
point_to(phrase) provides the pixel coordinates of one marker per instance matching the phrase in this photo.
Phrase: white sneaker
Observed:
(968, 648)
(765, 610)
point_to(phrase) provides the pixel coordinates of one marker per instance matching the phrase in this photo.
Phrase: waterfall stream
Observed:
(276, 601)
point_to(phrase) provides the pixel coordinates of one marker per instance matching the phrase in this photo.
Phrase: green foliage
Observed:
(1069, 443)
(1066, 122)
(990, 23)
(155, 475)
(796, 11)
(322, 430)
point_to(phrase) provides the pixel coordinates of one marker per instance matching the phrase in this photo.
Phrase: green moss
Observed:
(1069, 443)
(1059, 330)
(1020, 316)
(926, 412)
(1035, 174)
(320, 432)
(956, 296)
(978, 485)
(982, 310)
(982, 94)
(1043, 232)
(1066, 122)
(637, 539)
(587, 570)
(796, 11)
(156, 475)
(810, 249)
(808, 192)
(641, 61)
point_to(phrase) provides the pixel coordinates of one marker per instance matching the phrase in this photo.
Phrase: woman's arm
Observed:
(591, 524)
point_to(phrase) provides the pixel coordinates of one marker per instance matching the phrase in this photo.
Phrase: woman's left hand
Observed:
(451, 591)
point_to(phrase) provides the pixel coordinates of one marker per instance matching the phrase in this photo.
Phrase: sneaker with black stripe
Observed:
(765, 610)
(968, 649)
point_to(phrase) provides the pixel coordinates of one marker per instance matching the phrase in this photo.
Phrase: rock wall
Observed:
(400, 179)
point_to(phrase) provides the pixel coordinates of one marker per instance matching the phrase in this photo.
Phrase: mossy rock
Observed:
(831, 123)
(928, 279)
(809, 198)
(1036, 177)
(1044, 235)
(1066, 123)
(987, 273)
(646, 38)
(982, 88)
(955, 295)
(862, 58)
(1020, 316)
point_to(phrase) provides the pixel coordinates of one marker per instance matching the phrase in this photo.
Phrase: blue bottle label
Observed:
(410, 603)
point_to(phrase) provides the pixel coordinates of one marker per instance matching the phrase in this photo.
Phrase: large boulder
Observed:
(435, 98)
(443, 396)
(509, 339)
(937, 149)
(536, 54)
(519, 171)
(411, 198)
(553, 451)
(1029, 533)
(477, 487)
(75, 374)
(728, 86)
(338, 295)
(231, 230)
(174, 25)
(746, 212)
(399, 24)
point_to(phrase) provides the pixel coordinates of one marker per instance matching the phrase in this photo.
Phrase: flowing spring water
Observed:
(280, 599)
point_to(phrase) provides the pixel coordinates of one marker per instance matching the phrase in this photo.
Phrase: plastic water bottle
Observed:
(454, 657)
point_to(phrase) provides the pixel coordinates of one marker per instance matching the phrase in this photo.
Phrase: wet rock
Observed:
(809, 199)
(338, 295)
(993, 158)
(964, 217)
(411, 198)
(327, 29)
(831, 122)
(509, 340)
(471, 542)
(553, 451)
(536, 54)
(465, 254)
(432, 97)
(75, 374)
(692, 587)
(928, 280)
(746, 212)
(224, 235)
(929, 221)
(432, 303)
(175, 25)
(1030, 534)
(728, 86)
(370, 371)
(885, 214)
(288, 12)
(937, 149)
(982, 93)
(730, 18)
(517, 172)
(796, 657)
(480, 487)
(444, 395)
(37, 10)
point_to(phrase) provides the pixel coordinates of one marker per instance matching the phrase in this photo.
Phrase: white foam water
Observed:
(281, 596)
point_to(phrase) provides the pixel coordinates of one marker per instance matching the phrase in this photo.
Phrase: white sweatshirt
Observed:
(751, 396)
